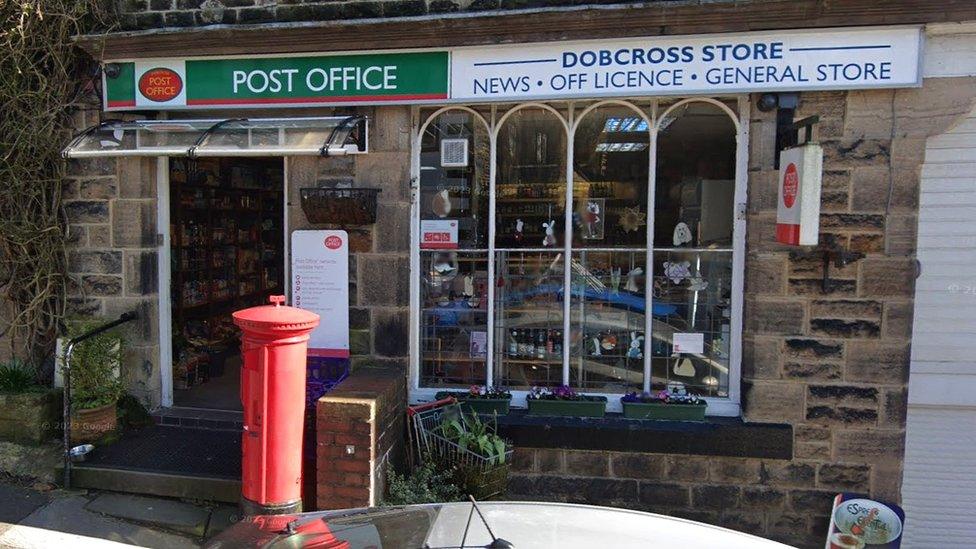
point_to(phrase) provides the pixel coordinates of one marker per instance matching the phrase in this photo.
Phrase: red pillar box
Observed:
(273, 345)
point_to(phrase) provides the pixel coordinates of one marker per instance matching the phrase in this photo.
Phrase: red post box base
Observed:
(250, 508)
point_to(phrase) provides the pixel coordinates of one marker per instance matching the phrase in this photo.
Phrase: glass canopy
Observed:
(323, 136)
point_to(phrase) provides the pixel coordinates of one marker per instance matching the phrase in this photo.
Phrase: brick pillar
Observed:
(360, 429)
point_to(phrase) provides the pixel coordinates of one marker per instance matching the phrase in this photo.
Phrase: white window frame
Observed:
(717, 406)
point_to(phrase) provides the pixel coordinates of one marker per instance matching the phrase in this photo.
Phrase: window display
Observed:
(627, 290)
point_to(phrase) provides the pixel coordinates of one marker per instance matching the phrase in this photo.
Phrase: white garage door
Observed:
(939, 490)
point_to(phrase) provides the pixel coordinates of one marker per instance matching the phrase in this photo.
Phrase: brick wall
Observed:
(832, 364)
(359, 435)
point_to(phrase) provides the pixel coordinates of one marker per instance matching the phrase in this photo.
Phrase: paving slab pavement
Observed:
(17, 502)
(68, 514)
(164, 513)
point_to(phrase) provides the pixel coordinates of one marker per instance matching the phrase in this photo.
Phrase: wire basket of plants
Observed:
(481, 399)
(564, 401)
(673, 403)
(467, 446)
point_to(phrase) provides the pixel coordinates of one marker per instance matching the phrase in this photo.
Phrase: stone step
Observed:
(163, 513)
(155, 483)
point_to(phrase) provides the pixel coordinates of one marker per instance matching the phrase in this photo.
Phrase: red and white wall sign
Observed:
(798, 206)
(439, 234)
(320, 283)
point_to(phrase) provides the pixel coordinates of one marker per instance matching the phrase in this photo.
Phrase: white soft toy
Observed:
(682, 234)
(550, 239)
(677, 271)
(636, 346)
(632, 277)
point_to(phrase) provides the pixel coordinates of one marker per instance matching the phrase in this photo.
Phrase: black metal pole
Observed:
(66, 395)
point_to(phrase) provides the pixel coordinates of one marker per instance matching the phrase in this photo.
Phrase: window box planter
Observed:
(590, 406)
(660, 410)
(31, 417)
(484, 406)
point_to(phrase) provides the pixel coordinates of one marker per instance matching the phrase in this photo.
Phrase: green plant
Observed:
(470, 433)
(93, 369)
(17, 376)
(426, 484)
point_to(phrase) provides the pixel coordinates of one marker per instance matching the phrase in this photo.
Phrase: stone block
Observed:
(101, 285)
(869, 114)
(932, 109)
(824, 103)
(141, 272)
(359, 342)
(715, 497)
(686, 468)
(390, 131)
(894, 408)
(76, 236)
(812, 433)
(787, 474)
(765, 274)
(763, 191)
(392, 329)
(101, 188)
(136, 177)
(99, 236)
(834, 200)
(869, 445)
(845, 308)
(842, 394)
(813, 349)
(750, 522)
(95, 262)
(393, 227)
(851, 222)
(30, 418)
(843, 477)
(887, 277)
(773, 401)
(86, 211)
(549, 460)
(523, 460)
(359, 318)
(734, 471)
(587, 464)
(811, 451)
(361, 240)
(761, 358)
(821, 371)
(389, 171)
(812, 502)
(384, 280)
(133, 224)
(867, 243)
(760, 498)
(642, 466)
(664, 494)
(843, 415)
(787, 523)
(898, 319)
(845, 328)
(900, 234)
(811, 287)
(768, 316)
(855, 152)
(83, 307)
(877, 362)
(88, 167)
(803, 264)
(886, 482)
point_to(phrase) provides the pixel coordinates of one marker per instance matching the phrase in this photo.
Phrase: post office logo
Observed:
(160, 84)
(333, 242)
(791, 185)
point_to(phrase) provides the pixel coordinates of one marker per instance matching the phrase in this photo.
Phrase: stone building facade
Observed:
(825, 361)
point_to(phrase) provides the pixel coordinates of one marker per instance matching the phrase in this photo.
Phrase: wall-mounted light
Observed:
(767, 102)
(112, 70)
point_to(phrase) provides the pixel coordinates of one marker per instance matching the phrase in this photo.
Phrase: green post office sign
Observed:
(278, 81)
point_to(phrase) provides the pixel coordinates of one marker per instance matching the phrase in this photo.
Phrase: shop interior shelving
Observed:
(227, 240)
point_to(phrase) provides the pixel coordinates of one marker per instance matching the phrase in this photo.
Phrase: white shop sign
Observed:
(320, 283)
(794, 60)
(798, 200)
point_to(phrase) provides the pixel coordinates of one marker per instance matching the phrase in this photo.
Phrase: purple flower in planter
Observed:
(564, 392)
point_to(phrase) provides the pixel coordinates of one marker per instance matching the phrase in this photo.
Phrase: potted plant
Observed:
(481, 399)
(664, 405)
(28, 411)
(477, 455)
(564, 401)
(95, 387)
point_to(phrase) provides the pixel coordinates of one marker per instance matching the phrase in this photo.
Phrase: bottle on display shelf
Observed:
(550, 335)
(513, 349)
(540, 344)
(557, 343)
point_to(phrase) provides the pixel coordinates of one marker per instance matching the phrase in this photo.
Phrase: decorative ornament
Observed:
(593, 220)
(441, 203)
(609, 342)
(615, 280)
(682, 234)
(636, 349)
(550, 238)
(684, 368)
(632, 277)
(632, 219)
(677, 271)
(698, 284)
(519, 226)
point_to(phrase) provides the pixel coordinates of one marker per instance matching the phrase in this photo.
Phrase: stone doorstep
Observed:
(164, 513)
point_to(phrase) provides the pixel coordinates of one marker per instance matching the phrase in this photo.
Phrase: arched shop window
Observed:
(628, 205)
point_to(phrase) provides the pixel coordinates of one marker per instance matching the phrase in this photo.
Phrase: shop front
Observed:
(593, 214)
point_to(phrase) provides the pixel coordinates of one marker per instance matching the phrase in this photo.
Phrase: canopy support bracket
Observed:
(191, 152)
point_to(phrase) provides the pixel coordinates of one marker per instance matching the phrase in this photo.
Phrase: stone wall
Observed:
(832, 364)
(112, 261)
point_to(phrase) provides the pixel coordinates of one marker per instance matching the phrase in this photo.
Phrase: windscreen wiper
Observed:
(496, 542)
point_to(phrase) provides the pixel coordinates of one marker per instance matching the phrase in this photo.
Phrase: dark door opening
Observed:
(227, 253)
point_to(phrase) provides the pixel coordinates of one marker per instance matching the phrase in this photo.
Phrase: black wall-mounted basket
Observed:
(340, 206)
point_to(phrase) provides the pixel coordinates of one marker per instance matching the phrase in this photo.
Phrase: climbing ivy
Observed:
(43, 77)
